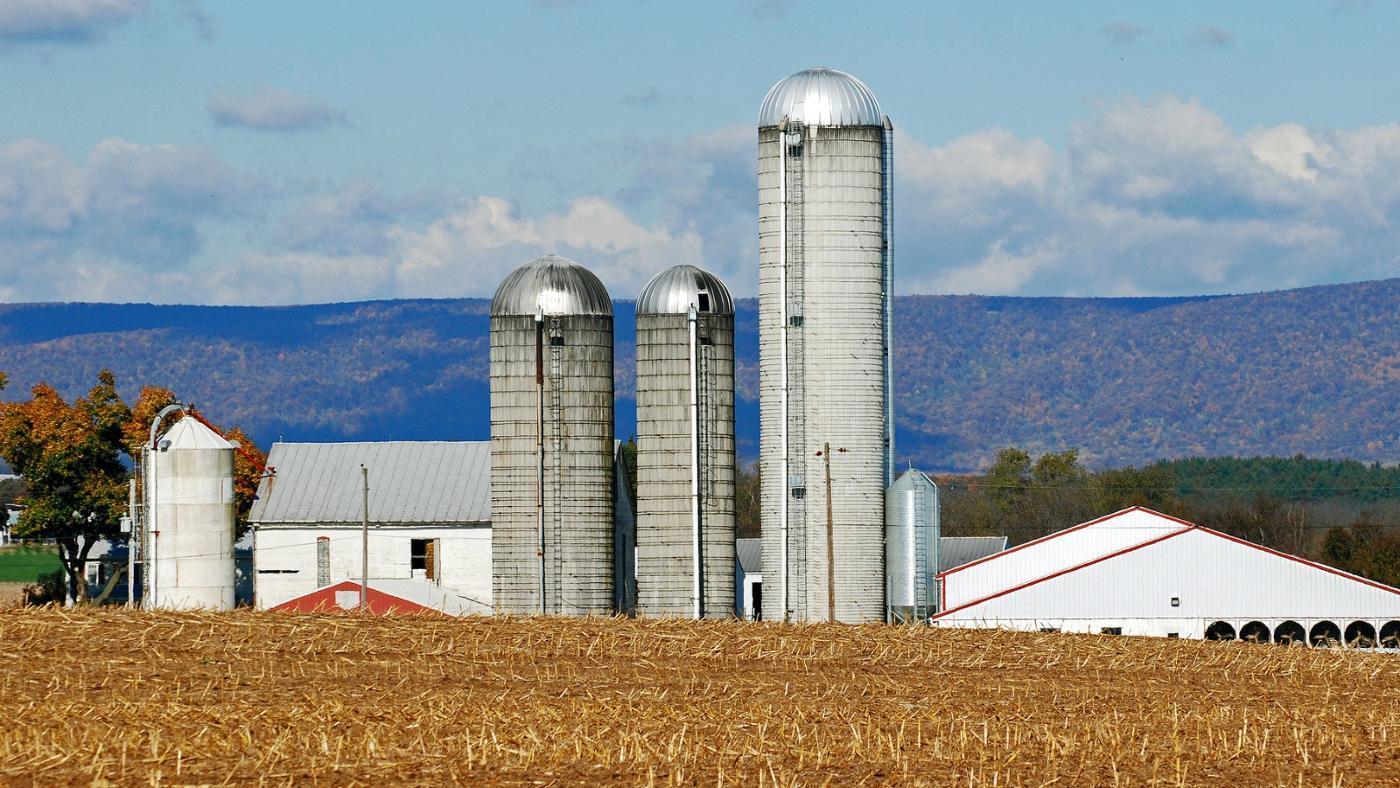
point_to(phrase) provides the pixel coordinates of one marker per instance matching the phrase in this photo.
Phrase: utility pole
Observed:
(364, 540)
(830, 542)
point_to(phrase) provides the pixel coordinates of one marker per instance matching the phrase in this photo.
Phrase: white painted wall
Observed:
(284, 559)
(1211, 577)
(1074, 546)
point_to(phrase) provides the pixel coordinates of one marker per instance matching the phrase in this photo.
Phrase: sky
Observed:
(251, 152)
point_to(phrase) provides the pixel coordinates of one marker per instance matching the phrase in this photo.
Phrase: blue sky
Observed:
(276, 152)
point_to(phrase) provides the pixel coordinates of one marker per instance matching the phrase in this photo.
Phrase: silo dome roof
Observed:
(554, 284)
(190, 433)
(821, 97)
(672, 292)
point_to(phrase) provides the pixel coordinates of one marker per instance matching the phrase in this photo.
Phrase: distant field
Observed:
(127, 697)
(24, 563)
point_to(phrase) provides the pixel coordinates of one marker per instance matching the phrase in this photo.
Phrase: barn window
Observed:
(1173, 635)
(1111, 631)
(1325, 633)
(1255, 632)
(1360, 634)
(323, 561)
(423, 555)
(1220, 630)
(1390, 634)
(1176, 601)
(1290, 632)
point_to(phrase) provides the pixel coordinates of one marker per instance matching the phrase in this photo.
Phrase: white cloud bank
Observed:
(1155, 197)
(64, 21)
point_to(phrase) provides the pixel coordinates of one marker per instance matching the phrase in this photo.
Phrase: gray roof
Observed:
(954, 551)
(675, 290)
(749, 553)
(410, 482)
(821, 97)
(552, 284)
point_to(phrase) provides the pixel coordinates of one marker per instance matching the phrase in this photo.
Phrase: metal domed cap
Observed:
(554, 284)
(672, 292)
(821, 97)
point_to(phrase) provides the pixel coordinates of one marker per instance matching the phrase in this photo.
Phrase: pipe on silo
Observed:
(694, 370)
(539, 448)
(785, 481)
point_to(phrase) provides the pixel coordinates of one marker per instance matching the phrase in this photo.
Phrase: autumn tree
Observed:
(70, 458)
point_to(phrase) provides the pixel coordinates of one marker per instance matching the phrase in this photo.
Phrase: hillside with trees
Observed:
(1314, 371)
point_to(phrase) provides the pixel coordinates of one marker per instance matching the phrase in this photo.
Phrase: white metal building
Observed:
(1139, 572)
(429, 514)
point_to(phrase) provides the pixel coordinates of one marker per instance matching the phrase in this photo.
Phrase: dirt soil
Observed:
(130, 697)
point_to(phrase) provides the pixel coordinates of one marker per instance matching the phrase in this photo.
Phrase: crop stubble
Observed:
(130, 697)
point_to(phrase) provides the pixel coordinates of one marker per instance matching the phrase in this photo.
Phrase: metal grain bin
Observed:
(552, 441)
(685, 446)
(825, 271)
(190, 528)
(911, 548)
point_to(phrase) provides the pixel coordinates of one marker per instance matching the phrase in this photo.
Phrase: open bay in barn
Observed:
(98, 696)
(1313, 371)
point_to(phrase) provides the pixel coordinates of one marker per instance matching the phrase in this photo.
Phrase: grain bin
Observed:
(190, 527)
(552, 441)
(911, 548)
(685, 446)
(825, 278)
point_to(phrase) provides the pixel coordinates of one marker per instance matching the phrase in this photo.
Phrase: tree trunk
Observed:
(109, 586)
(74, 560)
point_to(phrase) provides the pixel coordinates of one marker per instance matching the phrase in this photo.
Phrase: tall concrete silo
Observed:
(552, 441)
(189, 529)
(685, 446)
(911, 548)
(825, 285)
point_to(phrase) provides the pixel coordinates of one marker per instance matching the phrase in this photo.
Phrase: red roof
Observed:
(323, 600)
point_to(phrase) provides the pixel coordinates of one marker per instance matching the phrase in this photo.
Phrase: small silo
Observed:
(552, 441)
(189, 536)
(911, 548)
(685, 446)
(825, 286)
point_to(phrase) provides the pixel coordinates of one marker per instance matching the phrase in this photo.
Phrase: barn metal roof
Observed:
(410, 482)
(821, 97)
(749, 553)
(955, 551)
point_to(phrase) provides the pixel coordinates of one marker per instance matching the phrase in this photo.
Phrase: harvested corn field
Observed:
(132, 697)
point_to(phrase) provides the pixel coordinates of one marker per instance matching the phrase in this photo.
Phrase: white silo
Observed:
(685, 446)
(825, 279)
(911, 548)
(190, 527)
(552, 441)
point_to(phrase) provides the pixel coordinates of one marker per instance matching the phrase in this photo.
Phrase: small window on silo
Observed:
(556, 340)
(704, 302)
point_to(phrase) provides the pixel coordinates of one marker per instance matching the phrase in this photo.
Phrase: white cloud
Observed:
(64, 21)
(272, 109)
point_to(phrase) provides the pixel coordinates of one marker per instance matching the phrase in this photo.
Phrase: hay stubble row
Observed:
(208, 698)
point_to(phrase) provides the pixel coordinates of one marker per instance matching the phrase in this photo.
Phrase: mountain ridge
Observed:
(1312, 370)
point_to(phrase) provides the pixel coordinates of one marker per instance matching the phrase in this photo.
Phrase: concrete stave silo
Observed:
(552, 441)
(825, 280)
(911, 548)
(685, 446)
(190, 522)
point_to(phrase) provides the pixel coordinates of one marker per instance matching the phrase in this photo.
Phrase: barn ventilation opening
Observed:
(1390, 634)
(1255, 632)
(1220, 630)
(1360, 634)
(1325, 633)
(1290, 632)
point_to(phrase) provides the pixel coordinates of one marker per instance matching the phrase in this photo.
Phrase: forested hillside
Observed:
(1130, 381)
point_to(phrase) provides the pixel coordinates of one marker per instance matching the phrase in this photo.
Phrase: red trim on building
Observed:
(1063, 572)
(1069, 530)
(322, 600)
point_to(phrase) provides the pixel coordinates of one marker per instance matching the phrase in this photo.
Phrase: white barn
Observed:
(429, 521)
(1139, 572)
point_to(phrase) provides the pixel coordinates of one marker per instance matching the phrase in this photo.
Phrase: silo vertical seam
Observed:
(784, 481)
